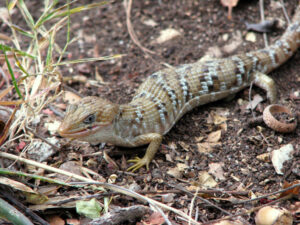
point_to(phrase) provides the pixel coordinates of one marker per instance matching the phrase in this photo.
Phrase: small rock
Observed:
(281, 155)
(250, 36)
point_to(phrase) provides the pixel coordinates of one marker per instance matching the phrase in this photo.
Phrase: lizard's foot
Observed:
(139, 162)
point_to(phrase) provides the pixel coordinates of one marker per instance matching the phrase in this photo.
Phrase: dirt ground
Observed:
(185, 153)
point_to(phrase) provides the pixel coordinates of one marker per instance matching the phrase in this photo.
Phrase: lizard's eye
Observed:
(89, 119)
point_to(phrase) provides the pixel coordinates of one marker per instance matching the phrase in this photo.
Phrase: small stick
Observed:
(285, 13)
(262, 17)
(43, 139)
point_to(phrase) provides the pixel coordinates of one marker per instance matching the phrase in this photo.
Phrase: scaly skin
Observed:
(167, 95)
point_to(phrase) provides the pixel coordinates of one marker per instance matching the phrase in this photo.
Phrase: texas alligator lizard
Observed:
(165, 96)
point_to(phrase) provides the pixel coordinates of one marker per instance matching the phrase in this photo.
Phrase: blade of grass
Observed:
(103, 58)
(20, 65)
(68, 36)
(49, 52)
(21, 31)
(57, 12)
(27, 16)
(49, 16)
(21, 53)
(11, 5)
(11, 73)
(33, 176)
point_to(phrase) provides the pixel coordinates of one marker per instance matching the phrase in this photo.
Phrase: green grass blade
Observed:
(57, 12)
(20, 30)
(27, 16)
(51, 15)
(82, 8)
(10, 49)
(50, 49)
(20, 65)
(14, 81)
(11, 5)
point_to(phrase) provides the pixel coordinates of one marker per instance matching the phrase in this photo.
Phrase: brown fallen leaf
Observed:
(156, 218)
(216, 169)
(256, 100)
(295, 191)
(215, 136)
(230, 4)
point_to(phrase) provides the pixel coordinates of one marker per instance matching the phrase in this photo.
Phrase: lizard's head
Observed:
(87, 117)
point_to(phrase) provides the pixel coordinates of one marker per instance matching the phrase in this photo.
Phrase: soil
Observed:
(202, 24)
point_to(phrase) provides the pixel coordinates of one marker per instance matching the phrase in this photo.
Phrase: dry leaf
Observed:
(72, 221)
(199, 139)
(206, 180)
(174, 172)
(156, 218)
(230, 4)
(217, 170)
(214, 137)
(70, 97)
(295, 191)
(206, 147)
(185, 146)
(55, 220)
(256, 100)
(16, 185)
(181, 166)
(265, 157)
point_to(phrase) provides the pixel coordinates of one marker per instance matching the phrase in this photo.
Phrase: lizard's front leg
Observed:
(154, 140)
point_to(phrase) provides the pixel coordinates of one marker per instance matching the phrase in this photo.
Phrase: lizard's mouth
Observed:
(78, 133)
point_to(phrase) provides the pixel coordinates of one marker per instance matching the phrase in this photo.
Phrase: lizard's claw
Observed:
(139, 162)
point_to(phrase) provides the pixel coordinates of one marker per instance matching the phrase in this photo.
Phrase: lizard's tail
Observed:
(288, 44)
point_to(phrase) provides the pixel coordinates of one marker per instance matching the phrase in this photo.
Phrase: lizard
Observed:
(166, 95)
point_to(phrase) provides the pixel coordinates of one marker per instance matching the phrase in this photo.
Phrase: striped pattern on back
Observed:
(166, 95)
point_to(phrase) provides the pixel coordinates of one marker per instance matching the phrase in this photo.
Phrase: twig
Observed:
(43, 139)
(112, 187)
(270, 194)
(250, 101)
(127, 5)
(285, 13)
(255, 121)
(262, 17)
(202, 199)
(46, 167)
(32, 176)
(56, 111)
(207, 202)
(248, 211)
(154, 203)
(192, 203)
